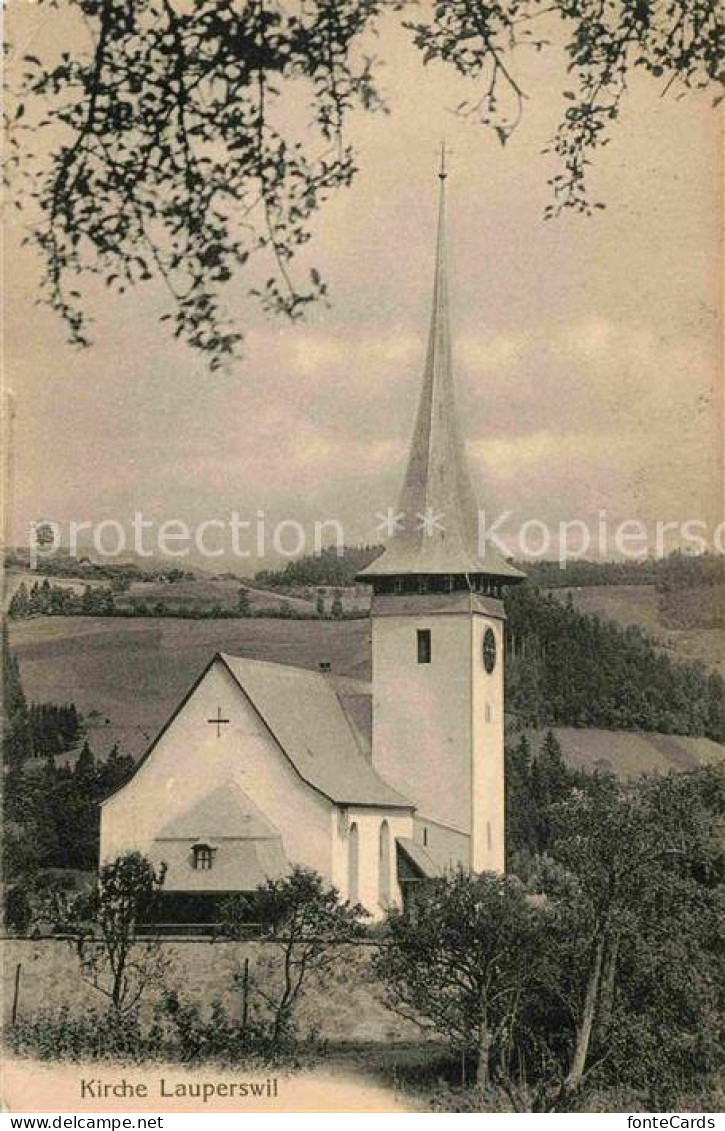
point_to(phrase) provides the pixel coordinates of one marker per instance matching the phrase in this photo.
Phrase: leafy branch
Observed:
(194, 142)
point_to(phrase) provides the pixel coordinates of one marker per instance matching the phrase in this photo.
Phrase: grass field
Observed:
(204, 594)
(133, 672)
(629, 753)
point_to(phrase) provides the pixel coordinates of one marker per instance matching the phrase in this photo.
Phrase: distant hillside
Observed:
(642, 606)
(674, 570)
(328, 568)
(26, 596)
(133, 672)
(126, 676)
(571, 668)
(629, 753)
(565, 667)
(207, 594)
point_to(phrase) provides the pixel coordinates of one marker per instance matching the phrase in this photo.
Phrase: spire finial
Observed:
(443, 174)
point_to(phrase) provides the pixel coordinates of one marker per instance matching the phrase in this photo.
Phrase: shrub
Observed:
(102, 924)
(193, 1035)
(17, 909)
(94, 1035)
(464, 963)
(178, 1031)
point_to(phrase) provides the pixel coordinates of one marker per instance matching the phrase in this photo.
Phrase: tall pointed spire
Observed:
(437, 528)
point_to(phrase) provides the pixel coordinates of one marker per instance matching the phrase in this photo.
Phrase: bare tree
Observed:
(103, 928)
(306, 921)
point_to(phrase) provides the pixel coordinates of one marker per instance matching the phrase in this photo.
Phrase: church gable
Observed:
(215, 742)
(251, 769)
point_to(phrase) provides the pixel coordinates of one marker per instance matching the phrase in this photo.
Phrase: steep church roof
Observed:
(438, 528)
(303, 712)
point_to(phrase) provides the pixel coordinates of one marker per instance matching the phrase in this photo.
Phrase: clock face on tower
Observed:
(489, 650)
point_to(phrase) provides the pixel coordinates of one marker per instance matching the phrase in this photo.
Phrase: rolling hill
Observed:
(640, 605)
(133, 671)
(127, 675)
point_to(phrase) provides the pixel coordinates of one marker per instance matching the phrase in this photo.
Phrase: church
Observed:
(263, 766)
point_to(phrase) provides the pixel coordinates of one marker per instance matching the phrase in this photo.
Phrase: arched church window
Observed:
(353, 865)
(202, 857)
(384, 865)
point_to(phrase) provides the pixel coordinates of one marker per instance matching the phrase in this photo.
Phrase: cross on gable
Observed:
(218, 721)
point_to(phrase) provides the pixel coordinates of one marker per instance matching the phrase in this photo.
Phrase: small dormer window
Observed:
(203, 857)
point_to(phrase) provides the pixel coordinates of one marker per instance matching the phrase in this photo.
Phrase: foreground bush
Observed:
(177, 1031)
(102, 924)
(95, 1035)
(464, 962)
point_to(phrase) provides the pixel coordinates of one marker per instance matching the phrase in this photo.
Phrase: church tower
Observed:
(437, 631)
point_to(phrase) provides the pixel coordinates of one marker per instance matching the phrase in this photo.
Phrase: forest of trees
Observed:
(33, 730)
(329, 568)
(566, 668)
(535, 781)
(45, 599)
(50, 811)
(675, 570)
(53, 810)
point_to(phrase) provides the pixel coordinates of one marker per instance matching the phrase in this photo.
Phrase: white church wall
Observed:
(488, 841)
(422, 713)
(368, 824)
(190, 761)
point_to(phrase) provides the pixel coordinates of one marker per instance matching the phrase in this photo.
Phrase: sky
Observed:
(586, 350)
